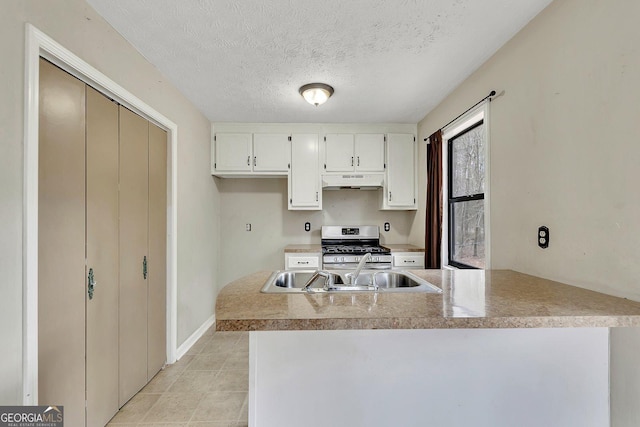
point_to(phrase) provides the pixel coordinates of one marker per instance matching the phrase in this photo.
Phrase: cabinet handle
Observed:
(389, 195)
(91, 283)
(248, 160)
(316, 196)
(409, 260)
(358, 160)
(144, 267)
(351, 160)
(255, 160)
(303, 262)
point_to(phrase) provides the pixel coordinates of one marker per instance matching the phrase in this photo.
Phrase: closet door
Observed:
(134, 167)
(102, 258)
(157, 343)
(61, 243)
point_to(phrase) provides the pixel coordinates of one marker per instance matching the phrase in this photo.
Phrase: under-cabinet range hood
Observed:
(370, 181)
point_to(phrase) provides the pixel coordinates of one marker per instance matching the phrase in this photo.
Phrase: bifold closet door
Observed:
(102, 259)
(134, 200)
(157, 318)
(61, 243)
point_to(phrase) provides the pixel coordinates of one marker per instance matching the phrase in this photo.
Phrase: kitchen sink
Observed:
(292, 281)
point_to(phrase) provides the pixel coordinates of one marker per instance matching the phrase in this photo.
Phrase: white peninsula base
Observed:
(435, 377)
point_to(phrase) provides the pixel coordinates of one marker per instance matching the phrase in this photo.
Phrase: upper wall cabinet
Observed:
(349, 153)
(251, 154)
(305, 189)
(401, 184)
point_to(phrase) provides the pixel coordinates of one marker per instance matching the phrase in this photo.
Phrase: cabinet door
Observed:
(339, 152)
(102, 258)
(157, 264)
(369, 152)
(61, 243)
(233, 152)
(271, 152)
(134, 199)
(401, 172)
(304, 182)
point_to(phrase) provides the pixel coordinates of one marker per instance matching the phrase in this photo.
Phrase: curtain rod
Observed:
(492, 93)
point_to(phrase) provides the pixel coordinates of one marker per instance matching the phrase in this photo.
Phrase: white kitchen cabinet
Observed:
(407, 260)
(401, 177)
(271, 152)
(354, 153)
(249, 154)
(232, 152)
(305, 184)
(302, 260)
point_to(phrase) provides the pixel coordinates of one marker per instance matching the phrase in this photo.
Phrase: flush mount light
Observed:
(316, 93)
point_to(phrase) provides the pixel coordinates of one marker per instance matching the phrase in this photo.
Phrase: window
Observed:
(466, 152)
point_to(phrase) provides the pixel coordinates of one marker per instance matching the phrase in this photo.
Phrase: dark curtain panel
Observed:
(433, 228)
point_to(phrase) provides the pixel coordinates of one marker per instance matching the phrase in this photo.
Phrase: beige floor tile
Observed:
(112, 424)
(230, 380)
(163, 425)
(173, 407)
(238, 360)
(161, 382)
(213, 424)
(244, 413)
(194, 382)
(230, 338)
(207, 362)
(180, 365)
(136, 409)
(220, 406)
(218, 347)
(242, 345)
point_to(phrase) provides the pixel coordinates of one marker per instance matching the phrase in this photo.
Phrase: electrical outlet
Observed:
(543, 237)
(387, 226)
(307, 226)
(248, 227)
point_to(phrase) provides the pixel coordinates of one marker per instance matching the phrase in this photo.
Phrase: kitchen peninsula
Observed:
(496, 348)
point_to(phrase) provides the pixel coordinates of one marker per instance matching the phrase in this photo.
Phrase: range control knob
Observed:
(357, 259)
(375, 258)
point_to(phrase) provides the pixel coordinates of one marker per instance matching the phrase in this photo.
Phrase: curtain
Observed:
(433, 227)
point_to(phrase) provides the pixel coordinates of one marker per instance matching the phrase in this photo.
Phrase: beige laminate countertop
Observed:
(302, 248)
(470, 299)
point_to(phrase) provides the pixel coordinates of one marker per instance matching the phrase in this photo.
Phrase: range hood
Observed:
(370, 181)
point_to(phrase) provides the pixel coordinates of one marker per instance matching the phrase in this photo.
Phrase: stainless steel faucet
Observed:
(313, 278)
(366, 257)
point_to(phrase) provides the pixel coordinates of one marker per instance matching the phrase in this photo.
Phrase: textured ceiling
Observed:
(388, 60)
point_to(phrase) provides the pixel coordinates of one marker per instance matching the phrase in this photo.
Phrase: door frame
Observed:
(38, 44)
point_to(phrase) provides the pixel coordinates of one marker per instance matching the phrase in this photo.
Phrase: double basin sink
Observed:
(293, 281)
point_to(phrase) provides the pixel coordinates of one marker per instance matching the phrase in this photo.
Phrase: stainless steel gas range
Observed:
(344, 246)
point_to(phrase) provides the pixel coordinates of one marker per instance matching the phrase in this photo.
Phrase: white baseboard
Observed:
(189, 342)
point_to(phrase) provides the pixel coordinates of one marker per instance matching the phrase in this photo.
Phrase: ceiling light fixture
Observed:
(316, 93)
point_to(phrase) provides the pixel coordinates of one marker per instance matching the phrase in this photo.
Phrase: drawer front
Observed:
(409, 261)
(303, 262)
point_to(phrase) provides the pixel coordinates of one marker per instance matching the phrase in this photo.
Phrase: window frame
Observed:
(451, 201)
(456, 128)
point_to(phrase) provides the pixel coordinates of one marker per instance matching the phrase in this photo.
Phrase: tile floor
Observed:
(208, 387)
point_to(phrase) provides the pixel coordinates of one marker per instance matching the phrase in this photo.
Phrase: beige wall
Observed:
(263, 203)
(565, 153)
(564, 145)
(77, 27)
